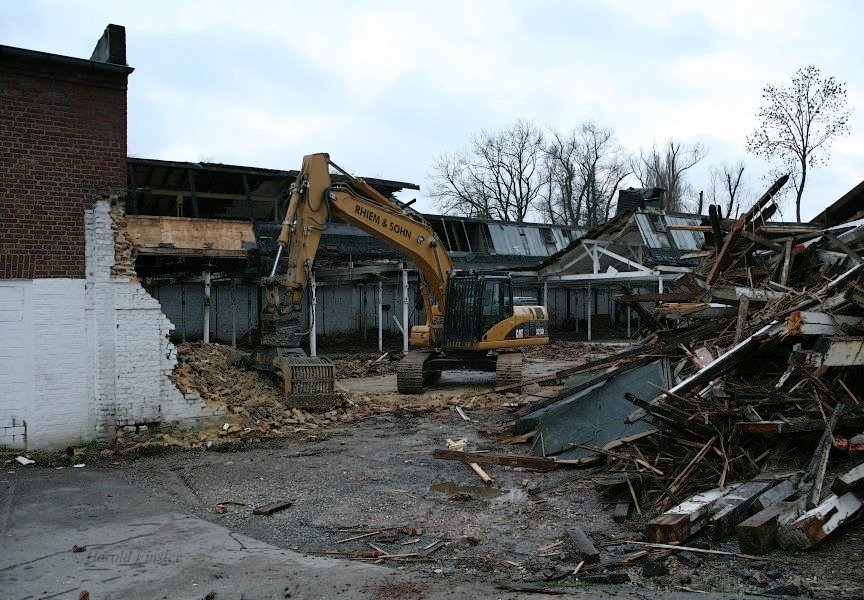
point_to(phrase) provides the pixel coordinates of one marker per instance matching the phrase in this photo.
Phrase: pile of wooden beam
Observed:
(765, 343)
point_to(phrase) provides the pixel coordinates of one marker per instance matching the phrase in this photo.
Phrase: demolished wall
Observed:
(84, 359)
(133, 358)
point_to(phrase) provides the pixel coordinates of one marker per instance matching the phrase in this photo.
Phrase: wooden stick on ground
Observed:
(701, 550)
(460, 447)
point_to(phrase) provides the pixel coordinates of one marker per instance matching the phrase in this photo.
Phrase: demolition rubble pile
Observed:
(753, 363)
(255, 400)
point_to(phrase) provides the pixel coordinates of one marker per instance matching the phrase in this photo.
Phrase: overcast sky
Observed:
(386, 86)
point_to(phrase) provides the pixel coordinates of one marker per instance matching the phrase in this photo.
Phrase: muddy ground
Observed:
(376, 473)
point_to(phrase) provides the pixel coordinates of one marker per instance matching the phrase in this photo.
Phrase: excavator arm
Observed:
(314, 198)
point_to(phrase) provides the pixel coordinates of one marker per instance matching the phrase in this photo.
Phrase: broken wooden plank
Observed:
(762, 241)
(758, 534)
(585, 549)
(529, 462)
(689, 227)
(531, 588)
(459, 447)
(839, 352)
(728, 294)
(622, 512)
(819, 522)
(689, 517)
(675, 547)
(668, 528)
(787, 263)
(809, 322)
(699, 254)
(741, 324)
(737, 506)
(694, 310)
(851, 481)
(785, 489)
(733, 235)
(269, 509)
(796, 426)
(833, 240)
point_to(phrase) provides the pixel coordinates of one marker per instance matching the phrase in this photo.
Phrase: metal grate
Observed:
(309, 382)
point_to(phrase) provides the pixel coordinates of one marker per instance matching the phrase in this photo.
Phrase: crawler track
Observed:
(409, 372)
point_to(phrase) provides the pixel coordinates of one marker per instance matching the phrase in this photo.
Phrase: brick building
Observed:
(84, 350)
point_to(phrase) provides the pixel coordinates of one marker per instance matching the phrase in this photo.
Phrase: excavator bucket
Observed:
(309, 382)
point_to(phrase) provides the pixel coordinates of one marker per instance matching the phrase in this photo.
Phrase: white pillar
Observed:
(363, 312)
(233, 313)
(545, 295)
(313, 316)
(628, 322)
(206, 307)
(380, 317)
(660, 284)
(182, 312)
(404, 310)
(590, 309)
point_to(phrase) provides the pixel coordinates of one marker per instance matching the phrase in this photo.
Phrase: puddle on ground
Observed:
(496, 495)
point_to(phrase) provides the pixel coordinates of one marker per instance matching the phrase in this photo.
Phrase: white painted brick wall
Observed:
(61, 391)
(79, 358)
(15, 347)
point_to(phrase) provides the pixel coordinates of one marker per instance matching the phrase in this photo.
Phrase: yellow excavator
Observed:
(471, 320)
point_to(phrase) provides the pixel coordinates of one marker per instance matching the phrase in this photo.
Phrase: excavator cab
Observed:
(476, 302)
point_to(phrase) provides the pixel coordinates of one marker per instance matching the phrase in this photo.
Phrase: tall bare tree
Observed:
(727, 187)
(665, 166)
(799, 122)
(585, 168)
(498, 176)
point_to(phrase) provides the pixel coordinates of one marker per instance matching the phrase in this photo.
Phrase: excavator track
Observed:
(508, 369)
(409, 372)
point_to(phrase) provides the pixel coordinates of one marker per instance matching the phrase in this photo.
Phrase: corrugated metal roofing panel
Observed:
(685, 240)
(534, 239)
(507, 240)
(651, 237)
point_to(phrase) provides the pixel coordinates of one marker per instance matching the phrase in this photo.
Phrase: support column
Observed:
(590, 309)
(404, 309)
(363, 312)
(313, 316)
(233, 313)
(380, 317)
(183, 312)
(545, 301)
(628, 322)
(206, 307)
(660, 284)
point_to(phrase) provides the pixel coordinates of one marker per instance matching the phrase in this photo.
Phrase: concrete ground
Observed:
(136, 546)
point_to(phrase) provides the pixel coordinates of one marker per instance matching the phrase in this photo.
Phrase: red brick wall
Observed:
(62, 141)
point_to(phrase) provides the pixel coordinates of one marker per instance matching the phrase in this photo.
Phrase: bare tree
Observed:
(498, 176)
(665, 167)
(727, 187)
(585, 168)
(799, 122)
